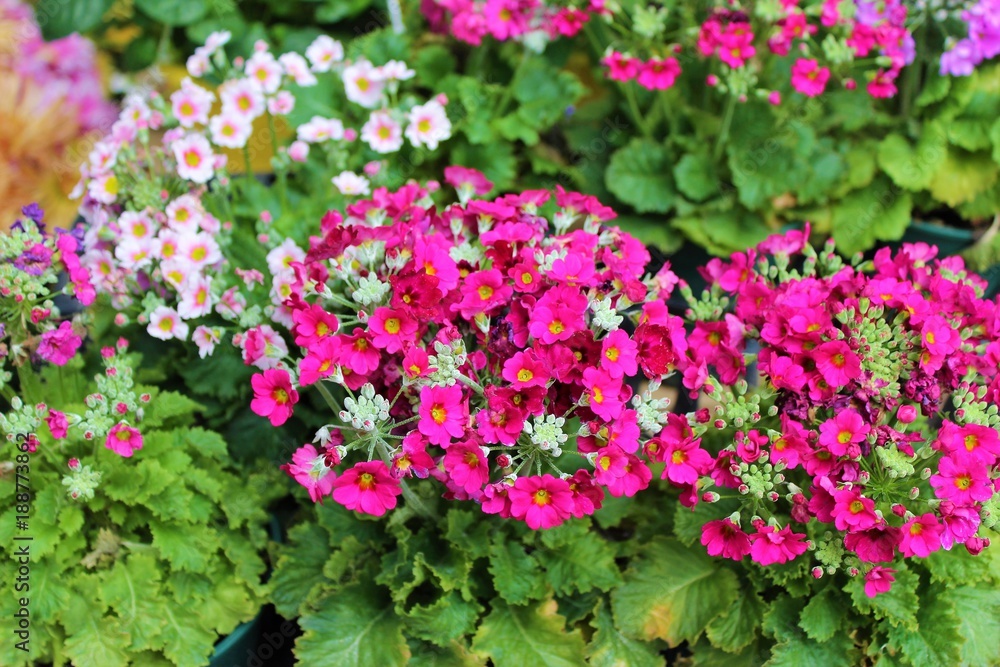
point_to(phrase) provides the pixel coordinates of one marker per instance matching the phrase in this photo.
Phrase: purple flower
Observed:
(35, 212)
(961, 60)
(35, 260)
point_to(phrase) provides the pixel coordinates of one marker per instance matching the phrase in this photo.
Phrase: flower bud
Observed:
(975, 545)
(906, 414)
(817, 572)
(710, 497)
(743, 489)
(503, 461)
(720, 424)
(74, 464)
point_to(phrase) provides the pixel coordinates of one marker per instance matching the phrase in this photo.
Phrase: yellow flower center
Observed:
(971, 442)
(556, 327)
(485, 292)
(439, 414)
(392, 326)
(856, 507)
(844, 437)
(366, 481)
(963, 482)
(280, 396)
(524, 375)
(192, 158)
(542, 497)
(612, 354)
(678, 457)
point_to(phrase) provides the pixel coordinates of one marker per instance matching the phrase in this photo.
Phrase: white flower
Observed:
(191, 104)
(216, 40)
(206, 338)
(196, 298)
(165, 323)
(104, 188)
(382, 133)
(198, 64)
(194, 158)
(321, 129)
(350, 183)
(394, 70)
(264, 71)
(428, 126)
(242, 97)
(281, 104)
(370, 290)
(185, 213)
(200, 249)
(134, 254)
(547, 432)
(137, 226)
(605, 315)
(230, 130)
(176, 272)
(362, 85)
(324, 52)
(367, 411)
(280, 259)
(297, 68)
(298, 151)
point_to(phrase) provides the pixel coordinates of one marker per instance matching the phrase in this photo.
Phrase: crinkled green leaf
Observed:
(898, 605)
(936, 641)
(93, 639)
(610, 648)
(739, 625)
(173, 12)
(823, 614)
(170, 406)
(454, 655)
(878, 212)
(299, 568)
(672, 593)
(517, 575)
(132, 589)
(978, 610)
(188, 640)
(781, 619)
(639, 175)
(961, 175)
(583, 563)
(696, 176)
(468, 531)
(837, 652)
(187, 547)
(354, 627)
(532, 634)
(913, 167)
(445, 621)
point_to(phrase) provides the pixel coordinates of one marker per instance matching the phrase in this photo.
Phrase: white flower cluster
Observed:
(367, 410)
(605, 315)
(652, 412)
(370, 290)
(547, 433)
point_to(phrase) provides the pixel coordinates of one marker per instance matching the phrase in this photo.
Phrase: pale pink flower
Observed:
(324, 52)
(165, 323)
(428, 126)
(350, 183)
(191, 104)
(382, 133)
(194, 158)
(362, 85)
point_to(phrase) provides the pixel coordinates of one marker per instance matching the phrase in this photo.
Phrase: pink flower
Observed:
(659, 73)
(413, 459)
(962, 482)
(685, 461)
(58, 424)
(604, 393)
(482, 292)
(360, 355)
(542, 502)
(724, 538)
(921, 536)
(852, 511)
(609, 464)
(618, 354)
(525, 369)
(878, 580)
(466, 464)
(587, 495)
(875, 545)
(972, 442)
(123, 439)
(391, 329)
(635, 478)
(621, 67)
(312, 324)
(320, 361)
(467, 180)
(842, 434)
(769, 545)
(309, 468)
(59, 345)
(838, 364)
(273, 395)
(809, 78)
(367, 488)
(443, 414)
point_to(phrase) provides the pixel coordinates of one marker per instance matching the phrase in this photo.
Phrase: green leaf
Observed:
(299, 568)
(672, 593)
(168, 405)
(822, 616)
(610, 648)
(468, 531)
(652, 231)
(59, 18)
(878, 212)
(934, 89)
(898, 605)
(706, 655)
(912, 167)
(455, 655)
(979, 612)
(838, 652)
(354, 627)
(93, 639)
(736, 629)
(723, 232)
(187, 546)
(517, 576)
(936, 642)
(995, 138)
(639, 175)
(132, 589)
(958, 566)
(188, 640)
(582, 564)
(333, 11)
(781, 620)
(961, 175)
(173, 12)
(696, 177)
(496, 160)
(443, 622)
(534, 634)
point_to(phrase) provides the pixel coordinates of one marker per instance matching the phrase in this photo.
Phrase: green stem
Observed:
(246, 162)
(727, 121)
(469, 382)
(330, 400)
(415, 502)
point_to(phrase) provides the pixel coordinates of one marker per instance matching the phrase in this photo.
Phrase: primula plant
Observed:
(485, 336)
(132, 514)
(838, 502)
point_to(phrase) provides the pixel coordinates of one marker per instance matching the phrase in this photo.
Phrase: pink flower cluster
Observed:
(856, 365)
(64, 69)
(480, 344)
(735, 39)
(472, 20)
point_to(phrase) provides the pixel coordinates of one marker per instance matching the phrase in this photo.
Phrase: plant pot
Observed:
(246, 638)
